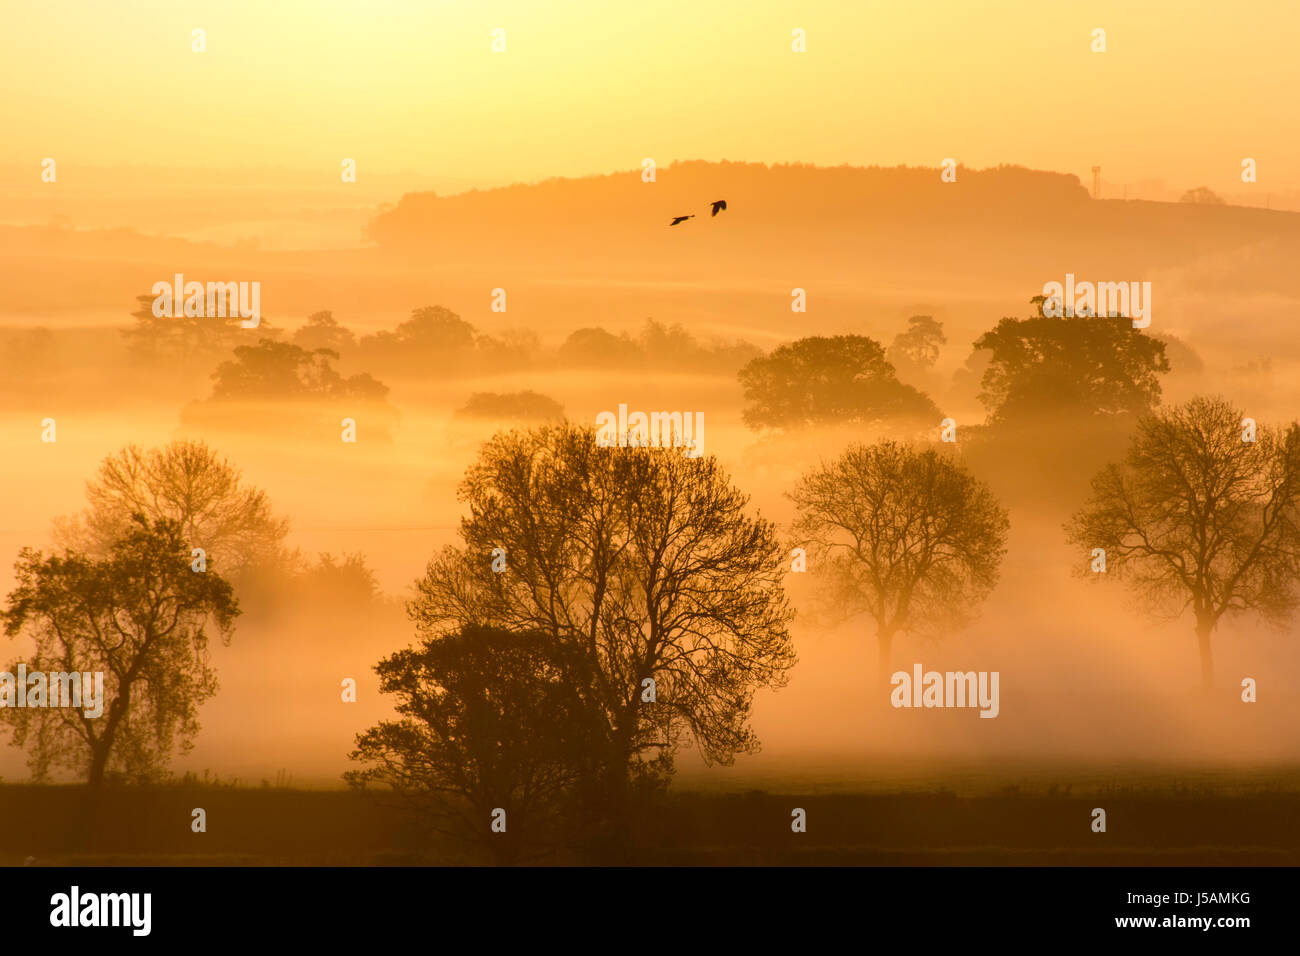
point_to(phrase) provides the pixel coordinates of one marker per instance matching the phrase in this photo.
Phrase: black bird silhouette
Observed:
(677, 219)
(719, 205)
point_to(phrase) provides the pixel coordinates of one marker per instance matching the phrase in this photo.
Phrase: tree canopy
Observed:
(906, 535)
(140, 618)
(918, 347)
(826, 380)
(1042, 367)
(647, 562)
(188, 482)
(1199, 518)
(187, 343)
(514, 406)
(322, 331)
(278, 371)
(489, 720)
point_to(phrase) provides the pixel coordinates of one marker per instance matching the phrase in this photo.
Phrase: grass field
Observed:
(1206, 818)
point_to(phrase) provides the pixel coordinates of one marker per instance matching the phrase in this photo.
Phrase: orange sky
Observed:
(1184, 91)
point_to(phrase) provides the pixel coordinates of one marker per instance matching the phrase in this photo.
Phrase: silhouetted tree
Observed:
(1197, 518)
(345, 582)
(278, 371)
(918, 347)
(843, 378)
(965, 384)
(512, 348)
(906, 535)
(673, 346)
(645, 560)
(187, 482)
(322, 331)
(600, 348)
(667, 344)
(489, 720)
(432, 334)
(189, 343)
(1043, 367)
(512, 406)
(1202, 195)
(1183, 359)
(138, 617)
(436, 329)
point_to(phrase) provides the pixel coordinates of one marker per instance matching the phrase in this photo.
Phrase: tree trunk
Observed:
(104, 745)
(607, 834)
(612, 812)
(884, 645)
(617, 789)
(1203, 628)
(98, 764)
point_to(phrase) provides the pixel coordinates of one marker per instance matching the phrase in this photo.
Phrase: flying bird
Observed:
(719, 205)
(677, 219)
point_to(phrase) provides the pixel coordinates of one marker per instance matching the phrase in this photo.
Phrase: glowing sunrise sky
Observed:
(1184, 91)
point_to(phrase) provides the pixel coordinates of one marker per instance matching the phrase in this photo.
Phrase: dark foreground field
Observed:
(1156, 824)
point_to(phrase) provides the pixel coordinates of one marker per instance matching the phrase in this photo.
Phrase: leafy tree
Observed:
(344, 582)
(277, 371)
(188, 343)
(322, 331)
(918, 347)
(1199, 519)
(187, 482)
(1183, 359)
(843, 378)
(1202, 195)
(138, 617)
(432, 333)
(907, 536)
(645, 561)
(1042, 367)
(516, 406)
(489, 719)
(598, 347)
(667, 344)
(434, 328)
(512, 348)
(965, 385)
(673, 346)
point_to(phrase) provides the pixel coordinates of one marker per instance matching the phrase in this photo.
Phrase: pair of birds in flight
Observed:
(719, 205)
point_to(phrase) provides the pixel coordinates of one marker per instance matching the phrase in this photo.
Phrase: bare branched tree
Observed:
(907, 536)
(1199, 518)
(187, 482)
(644, 559)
